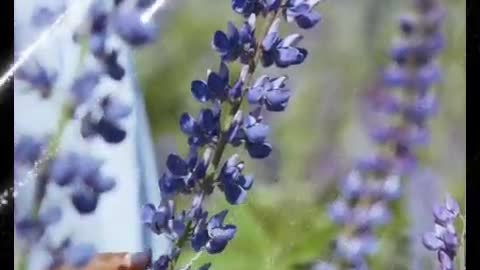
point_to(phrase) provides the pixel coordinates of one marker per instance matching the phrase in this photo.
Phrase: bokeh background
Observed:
(284, 224)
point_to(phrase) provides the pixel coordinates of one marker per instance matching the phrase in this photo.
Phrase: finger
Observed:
(116, 261)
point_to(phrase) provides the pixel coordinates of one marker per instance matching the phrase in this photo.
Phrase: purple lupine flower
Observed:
(106, 123)
(39, 77)
(28, 150)
(83, 86)
(444, 239)
(32, 229)
(202, 130)
(83, 174)
(216, 128)
(236, 42)
(270, 92)
(213, 235)
(232, 182)
(133, 30)
(375, 181)
(302, 12)
(282, 52)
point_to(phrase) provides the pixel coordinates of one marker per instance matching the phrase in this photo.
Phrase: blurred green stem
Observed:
(53, 145)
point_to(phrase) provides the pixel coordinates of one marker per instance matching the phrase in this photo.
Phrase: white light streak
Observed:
(147, 15)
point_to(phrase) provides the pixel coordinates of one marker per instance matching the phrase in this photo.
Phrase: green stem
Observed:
(41, 183)
(219, 149)
(252, 66)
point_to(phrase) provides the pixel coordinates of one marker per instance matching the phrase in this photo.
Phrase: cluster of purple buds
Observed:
(444, 239)
(33, 230)
(366, 193)
(415, 71)
(221, 123)
(100, 116)
(81, 173)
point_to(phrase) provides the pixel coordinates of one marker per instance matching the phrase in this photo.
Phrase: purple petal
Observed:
(308, 20)
(431, 241)
(217, 220)
(216, 84)
(85, 201)
(200, 91)
(176, 165)
(148, 211)
(259, 150)
(257, 133)
(220, 42)
(234, 194)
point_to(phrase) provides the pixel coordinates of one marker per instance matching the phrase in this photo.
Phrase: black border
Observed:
(6, 131)
(473, 148)
(473, 133)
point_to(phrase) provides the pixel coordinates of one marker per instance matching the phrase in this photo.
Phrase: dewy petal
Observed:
(200, 91)
(431, 241)
(220, 42)
(259, 151)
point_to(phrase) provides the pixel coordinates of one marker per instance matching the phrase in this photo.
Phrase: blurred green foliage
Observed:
(284, 222)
